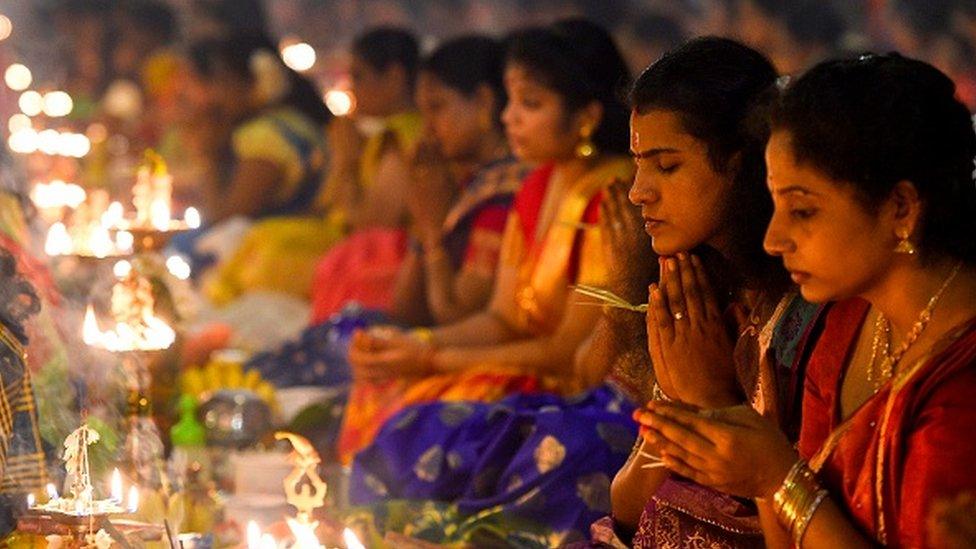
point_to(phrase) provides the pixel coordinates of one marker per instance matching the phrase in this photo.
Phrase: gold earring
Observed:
(585, 148)
(905, 245)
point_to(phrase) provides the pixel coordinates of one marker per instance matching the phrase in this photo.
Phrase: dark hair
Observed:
(716, 86)
(153, 16)
(18, 300)
(466, 63)
(876, 120)
(384, 47)
(579, 61)
(233, 54)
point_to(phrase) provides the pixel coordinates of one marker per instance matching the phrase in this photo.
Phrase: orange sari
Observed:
(547, 259)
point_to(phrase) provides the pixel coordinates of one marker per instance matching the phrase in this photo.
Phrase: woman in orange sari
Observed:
(563, 114)
(871, 172)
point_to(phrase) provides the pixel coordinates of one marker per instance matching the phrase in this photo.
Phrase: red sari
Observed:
(906, 447)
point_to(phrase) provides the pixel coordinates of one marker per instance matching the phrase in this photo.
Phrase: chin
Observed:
(666, 247)
(817, 293)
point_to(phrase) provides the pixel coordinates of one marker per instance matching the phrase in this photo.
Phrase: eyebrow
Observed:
(651, 153)
(795, 189)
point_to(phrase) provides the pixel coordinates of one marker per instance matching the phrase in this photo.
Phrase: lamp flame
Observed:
(352, 541)
(116, 486)
(159, 215)
(192, 218)
(58, 241)
(253, 535)
(133, 505)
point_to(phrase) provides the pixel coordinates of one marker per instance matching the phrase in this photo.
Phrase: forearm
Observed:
(543, 356)
(482, 328)
(442, 299)
(633, 486)
(409, 306)
(831, 528)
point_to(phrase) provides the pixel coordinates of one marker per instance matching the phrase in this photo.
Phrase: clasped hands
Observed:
(706, 434)
(387, 352)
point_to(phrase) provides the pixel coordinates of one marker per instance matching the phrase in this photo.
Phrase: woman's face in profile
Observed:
(536, 122)
(681, 195)
(830, 243)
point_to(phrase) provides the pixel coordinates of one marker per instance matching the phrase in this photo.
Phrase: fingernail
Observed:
(672, 265)
(682, 256)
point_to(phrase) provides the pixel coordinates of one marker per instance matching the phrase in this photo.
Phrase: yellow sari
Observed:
(279, 254)
(547, 259)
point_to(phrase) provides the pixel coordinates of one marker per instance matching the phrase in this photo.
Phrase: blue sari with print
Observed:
(527, 471)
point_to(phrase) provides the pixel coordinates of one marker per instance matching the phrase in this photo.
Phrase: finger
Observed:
(705, 288)
(665, 446)
(663, 322)
(607, 214)
(692, 294)
(679, 467)
(680, 435)
(629, 214)
(658, 365)
(672, 288)
(703, 422)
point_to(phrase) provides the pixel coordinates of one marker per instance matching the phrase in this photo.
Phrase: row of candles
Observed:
(304, 536)
(116, 491)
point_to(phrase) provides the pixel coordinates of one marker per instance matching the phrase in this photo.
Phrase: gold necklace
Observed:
(881, 344)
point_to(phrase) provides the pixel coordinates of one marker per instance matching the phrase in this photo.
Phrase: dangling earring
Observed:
(904, 246)
(585, 148)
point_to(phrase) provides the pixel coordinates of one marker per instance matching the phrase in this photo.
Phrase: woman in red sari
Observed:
(871, 172)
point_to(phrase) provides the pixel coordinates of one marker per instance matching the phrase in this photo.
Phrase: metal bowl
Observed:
(235, 418)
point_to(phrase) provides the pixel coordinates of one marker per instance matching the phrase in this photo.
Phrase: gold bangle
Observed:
(800, 527)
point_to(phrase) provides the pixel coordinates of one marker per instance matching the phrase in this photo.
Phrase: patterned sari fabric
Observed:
(318, 357)
(770, 358)
(527, 470)
(546, 256)
(22, 461)
(903, 449)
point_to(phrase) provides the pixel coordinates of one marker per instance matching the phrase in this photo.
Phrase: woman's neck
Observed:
(907, 289)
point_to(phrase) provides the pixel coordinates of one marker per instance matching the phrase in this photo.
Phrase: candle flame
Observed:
(113, 215)
(133, 499)
(192, 218)
(159, 215)
(122, 268)
(124, 241)
(58, 241)
(31, 500)
(304, 535)
(154, 334)
(253, 535)
(352, 540)
(100, 243)
(52, 492)
(116, 486)
(268, 542)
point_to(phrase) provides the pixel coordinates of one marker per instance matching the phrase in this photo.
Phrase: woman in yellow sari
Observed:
(563, 114)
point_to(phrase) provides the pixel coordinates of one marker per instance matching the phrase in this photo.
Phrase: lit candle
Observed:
(116, 486)
(133, 499)
(58, 241)
(192, 218)
(52, 492)
(253, 535)
(352, 541)
(159, 215)
(31, 500)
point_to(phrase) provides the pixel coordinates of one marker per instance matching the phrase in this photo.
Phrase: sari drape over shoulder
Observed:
(905, 447)
(547, 260)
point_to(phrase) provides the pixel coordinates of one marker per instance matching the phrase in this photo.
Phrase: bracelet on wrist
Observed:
(797, 499)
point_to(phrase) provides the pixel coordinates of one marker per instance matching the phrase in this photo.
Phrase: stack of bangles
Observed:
(797, 500)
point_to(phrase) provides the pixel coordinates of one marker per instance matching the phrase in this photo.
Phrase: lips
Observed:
(798, 277)
(652, 225)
